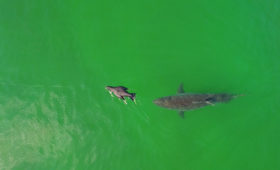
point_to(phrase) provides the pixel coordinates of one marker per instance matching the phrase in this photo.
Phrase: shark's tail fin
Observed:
(133, 96)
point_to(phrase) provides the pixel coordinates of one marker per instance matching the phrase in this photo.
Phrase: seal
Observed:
(121, 92)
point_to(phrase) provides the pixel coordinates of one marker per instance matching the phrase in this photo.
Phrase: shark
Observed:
(188, 101)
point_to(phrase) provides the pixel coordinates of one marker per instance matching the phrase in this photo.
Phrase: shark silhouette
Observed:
(189, 101)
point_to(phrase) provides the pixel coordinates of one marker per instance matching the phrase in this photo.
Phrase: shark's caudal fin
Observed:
(181, 89)
(181, 113)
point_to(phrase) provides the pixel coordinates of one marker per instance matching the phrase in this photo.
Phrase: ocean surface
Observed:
(57, 56)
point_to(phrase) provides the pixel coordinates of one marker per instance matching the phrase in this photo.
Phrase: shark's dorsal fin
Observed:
(181, 89)
(181, 113)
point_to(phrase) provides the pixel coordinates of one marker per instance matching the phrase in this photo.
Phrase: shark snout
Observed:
(157, 101)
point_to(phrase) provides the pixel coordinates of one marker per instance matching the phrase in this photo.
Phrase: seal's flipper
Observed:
(181, 113)
(181, 89)
(124, 101)
(111, 94)
(121, 97)
(132, 96)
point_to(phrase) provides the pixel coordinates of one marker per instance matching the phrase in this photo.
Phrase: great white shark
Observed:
(189, 101)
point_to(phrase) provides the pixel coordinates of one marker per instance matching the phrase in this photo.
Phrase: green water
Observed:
(56, 57)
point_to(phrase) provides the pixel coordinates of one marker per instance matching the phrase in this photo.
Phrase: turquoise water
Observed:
(57, 57)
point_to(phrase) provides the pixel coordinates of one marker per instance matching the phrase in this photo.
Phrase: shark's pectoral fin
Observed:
(212, 104)
(181, 113)
(181, 89)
